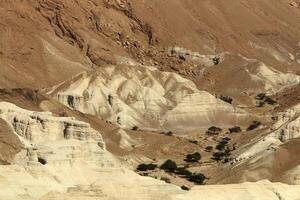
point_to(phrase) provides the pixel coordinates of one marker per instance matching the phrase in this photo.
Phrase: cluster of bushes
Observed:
(170, 166)
(253, 125)
(263, 99)
(223, 153)
(213, 130)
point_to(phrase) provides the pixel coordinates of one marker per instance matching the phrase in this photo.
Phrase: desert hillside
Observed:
(157, 99)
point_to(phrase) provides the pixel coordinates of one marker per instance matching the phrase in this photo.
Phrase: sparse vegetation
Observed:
(195, 157)
(146, 167)
(253, 125)
(213, 130)
(169, 166)
(235, 129)
(135, 128)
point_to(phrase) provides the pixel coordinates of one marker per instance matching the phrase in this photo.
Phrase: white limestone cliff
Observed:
(143, 97)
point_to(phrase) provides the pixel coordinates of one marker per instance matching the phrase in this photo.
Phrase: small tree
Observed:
(183, 171)
(253, 125)
(222, 145)
(169, 166)
(146, 167)
(218, 156)
(195, 157)
(213, 130)
(197, 178)
(235, 129)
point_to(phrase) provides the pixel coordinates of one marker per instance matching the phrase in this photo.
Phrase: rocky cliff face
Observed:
(47, 137)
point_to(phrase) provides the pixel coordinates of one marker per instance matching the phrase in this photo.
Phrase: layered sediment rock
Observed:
(143, 97)
(286, 128)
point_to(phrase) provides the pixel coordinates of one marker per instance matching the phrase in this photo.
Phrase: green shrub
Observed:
(195, 157)
(253, 125)
(197, 178)
(218, 156)
(146, 167)
(214, 130)
(169, 166)
(235, 129)
(209, 148)
(222, 145)
(183, 171)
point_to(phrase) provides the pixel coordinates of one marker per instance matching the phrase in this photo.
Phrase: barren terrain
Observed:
(96, 96)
